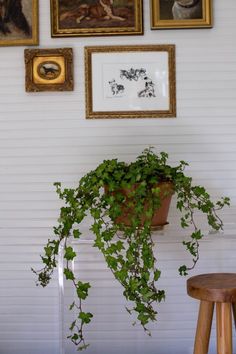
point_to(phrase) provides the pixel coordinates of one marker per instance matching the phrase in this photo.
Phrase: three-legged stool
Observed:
(211, 289)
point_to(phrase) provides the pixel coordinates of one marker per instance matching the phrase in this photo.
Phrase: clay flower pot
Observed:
(159, 219)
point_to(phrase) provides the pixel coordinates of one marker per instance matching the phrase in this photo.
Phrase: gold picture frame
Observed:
(48, 70)
(130, 81)
(107, 19)
(19, 23)
(181, 14)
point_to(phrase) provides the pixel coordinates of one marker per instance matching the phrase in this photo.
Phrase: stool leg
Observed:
(234, 313)
(224, 328)
(203, 327)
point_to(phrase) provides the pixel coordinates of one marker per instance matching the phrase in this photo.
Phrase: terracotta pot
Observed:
(160, 215)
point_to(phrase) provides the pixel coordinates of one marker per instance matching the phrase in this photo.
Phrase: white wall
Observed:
(45, 138)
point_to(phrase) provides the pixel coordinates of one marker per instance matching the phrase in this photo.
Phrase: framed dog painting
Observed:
(130, 81)
(96, 17)
(18, 22)
(181, 14)
(48, 69)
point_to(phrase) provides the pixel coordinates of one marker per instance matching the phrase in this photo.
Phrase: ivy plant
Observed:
(127, 249)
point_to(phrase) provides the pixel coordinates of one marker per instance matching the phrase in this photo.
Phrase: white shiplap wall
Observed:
(45, 138)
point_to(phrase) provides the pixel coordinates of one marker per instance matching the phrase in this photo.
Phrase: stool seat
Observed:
(214, 290)
(215, 287)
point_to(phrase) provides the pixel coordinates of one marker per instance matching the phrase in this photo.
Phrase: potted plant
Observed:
(121, 199)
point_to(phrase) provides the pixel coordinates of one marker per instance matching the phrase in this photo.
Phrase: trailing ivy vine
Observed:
(127, 249)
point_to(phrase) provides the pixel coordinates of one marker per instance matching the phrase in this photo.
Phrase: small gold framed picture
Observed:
(181, 14)
(130, 81)
(18, 22)
(48, 69)
(96, 18)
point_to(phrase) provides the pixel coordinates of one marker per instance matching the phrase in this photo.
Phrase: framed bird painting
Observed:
(18, 22)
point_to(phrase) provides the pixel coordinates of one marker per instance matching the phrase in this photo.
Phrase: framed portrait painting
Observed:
(181, 14)
(96, 17)
(130, 81)
(48, 69)
(18, 22)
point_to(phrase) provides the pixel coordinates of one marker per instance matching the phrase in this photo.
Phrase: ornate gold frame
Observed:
(100, 31)
(35, 57)
(34, 40)
(157, 23)
(91, 114)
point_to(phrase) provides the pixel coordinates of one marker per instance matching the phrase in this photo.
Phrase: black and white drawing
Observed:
(116, 88)
(130, 81)
(132, 74)
(149, 90)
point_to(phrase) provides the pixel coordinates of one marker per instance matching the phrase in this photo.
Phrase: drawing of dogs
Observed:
(101, 9)
(11, 12)
(149, 90)
(187, 9)
(116, 89)
(132, 74)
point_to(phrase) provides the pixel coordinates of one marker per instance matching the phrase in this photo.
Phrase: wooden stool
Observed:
(219, 288)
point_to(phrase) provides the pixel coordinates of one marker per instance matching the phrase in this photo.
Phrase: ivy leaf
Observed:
(183, 270)
(72, 326)
(197, 235)
(69, 274)
(76, 234)
(157, 275)
(82, 290)
(69, 253)
(99, 243)
(85, 317)
(72, 306)
(143, 318)
(75, 336)
(83, 347)
(112, 262)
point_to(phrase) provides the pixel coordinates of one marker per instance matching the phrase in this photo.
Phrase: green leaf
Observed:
(72, 306)
(82, 290)
(143, 318)
(96, 213)
(75, 337)
(85, 317)
(99, 243)
(69, 274)
(72, 326)
(157, 275)
(197, 235)
(112, 262)
(183, 270)
(69, 253)
(83, 347)
(76, 234)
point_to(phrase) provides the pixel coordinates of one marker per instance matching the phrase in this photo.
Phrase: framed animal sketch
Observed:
(48, 70)
(18, 22)
(181, 14)
(96, 17)
(130, 81)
